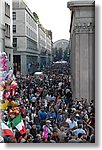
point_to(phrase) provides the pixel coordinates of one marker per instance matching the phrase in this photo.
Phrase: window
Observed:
(27, 30)
(27, 17)
(14, 15)
(15, 42)
(14, 28)
(7, 30)
(7, 9)
(31, 44)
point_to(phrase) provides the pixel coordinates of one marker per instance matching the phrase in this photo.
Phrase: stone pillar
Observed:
(77, 64)
(84, 66)
(82, 33)
(84, 61)
(24, 68)
(91, 43)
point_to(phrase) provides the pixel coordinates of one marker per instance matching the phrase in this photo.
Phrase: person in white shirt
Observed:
(68, 119)
(73, 124)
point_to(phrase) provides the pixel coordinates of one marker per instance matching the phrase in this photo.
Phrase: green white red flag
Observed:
(6, 131)
(18, 123)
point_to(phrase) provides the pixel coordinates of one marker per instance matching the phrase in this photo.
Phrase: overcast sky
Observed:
(54, 15)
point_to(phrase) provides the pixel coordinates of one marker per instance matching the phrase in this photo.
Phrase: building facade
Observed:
(6, 30)
(31, 42)
(82, 41)
(25, 32)
(44, 46)
(49, 45)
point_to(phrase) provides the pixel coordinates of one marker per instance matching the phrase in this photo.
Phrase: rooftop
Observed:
(71, 4)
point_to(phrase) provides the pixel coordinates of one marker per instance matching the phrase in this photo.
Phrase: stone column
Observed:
(84, 61)
(84, 66)
(82, 48)
(77, 65)
(91, 43)
(24, 68)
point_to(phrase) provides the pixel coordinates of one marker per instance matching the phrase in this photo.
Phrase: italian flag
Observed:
(6, 131)
(18, 123)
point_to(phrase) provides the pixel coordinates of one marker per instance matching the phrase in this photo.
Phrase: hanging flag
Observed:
(18, 123)
(6, 131)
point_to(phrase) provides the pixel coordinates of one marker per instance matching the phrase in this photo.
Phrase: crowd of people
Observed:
(49, 112)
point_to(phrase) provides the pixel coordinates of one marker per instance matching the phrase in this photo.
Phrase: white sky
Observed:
(54, 15)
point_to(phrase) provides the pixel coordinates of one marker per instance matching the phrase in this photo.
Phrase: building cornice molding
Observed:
(73, 4)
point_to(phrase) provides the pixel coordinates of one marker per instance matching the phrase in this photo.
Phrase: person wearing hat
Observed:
(48, 121)
(47, 129)
(48, 124)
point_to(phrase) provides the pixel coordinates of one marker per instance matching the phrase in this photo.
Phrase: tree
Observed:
(60, 55)
(66, 55)
(36, 17)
